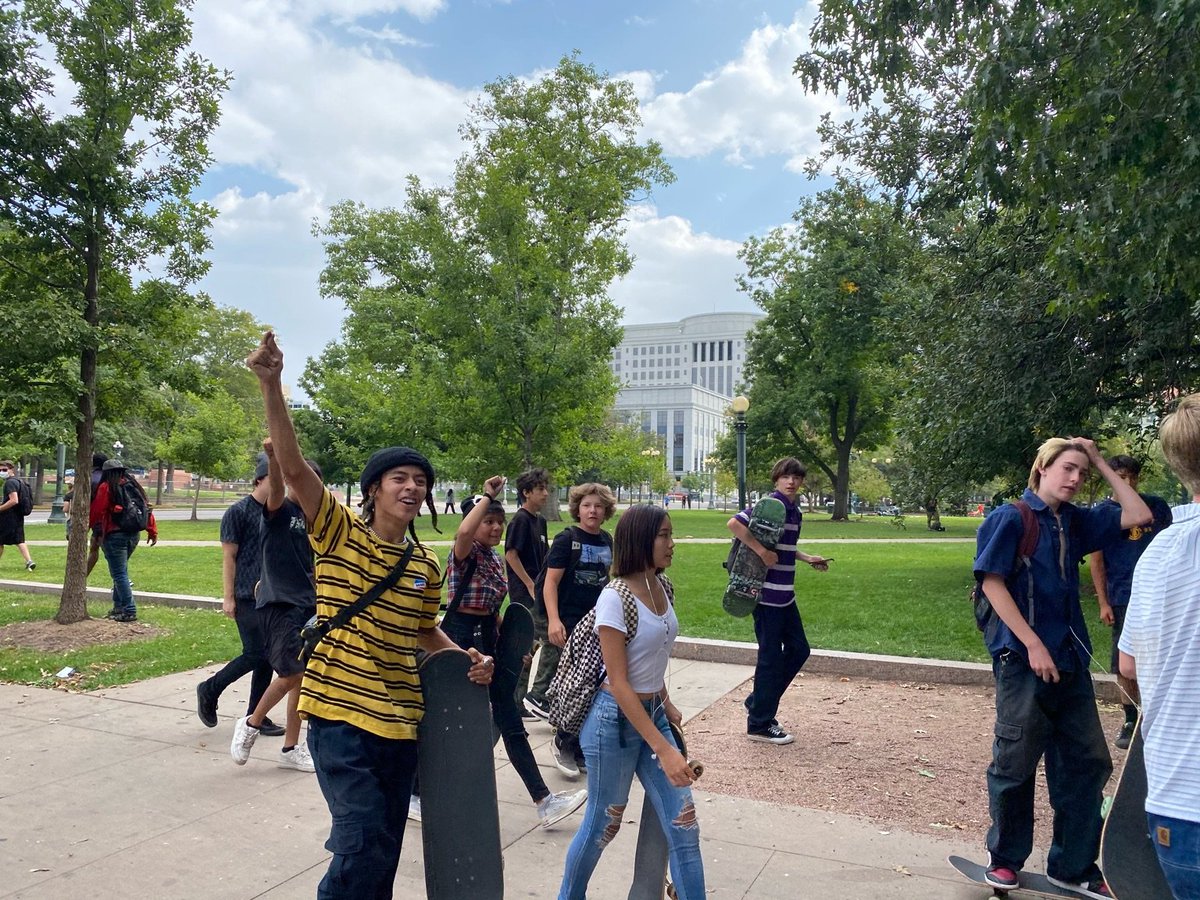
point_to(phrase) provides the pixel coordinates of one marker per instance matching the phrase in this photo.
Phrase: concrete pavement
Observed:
(124, 793)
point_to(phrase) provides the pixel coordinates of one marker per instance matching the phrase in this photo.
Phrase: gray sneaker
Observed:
(244, 736)
(297, 758)
(564, 758)
(556, 807)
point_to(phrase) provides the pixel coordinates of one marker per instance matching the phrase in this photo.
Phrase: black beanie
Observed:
(388, 458)
(260, 469)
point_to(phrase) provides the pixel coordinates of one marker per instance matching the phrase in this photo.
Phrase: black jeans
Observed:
(782, 651)
(366, 780)
(479, 632)
(1033, 718)
(253, 658)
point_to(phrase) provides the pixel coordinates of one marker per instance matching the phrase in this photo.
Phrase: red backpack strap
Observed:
(1029, 530)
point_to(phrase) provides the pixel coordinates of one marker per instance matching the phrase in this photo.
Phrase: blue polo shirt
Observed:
(1053, 611)
(1121, 556)
(779, 587)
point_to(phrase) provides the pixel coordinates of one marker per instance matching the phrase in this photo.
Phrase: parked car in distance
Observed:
(887, 510)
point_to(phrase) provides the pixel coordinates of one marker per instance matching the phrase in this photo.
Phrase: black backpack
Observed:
(130, 510)
(984, 616)
(24, 496)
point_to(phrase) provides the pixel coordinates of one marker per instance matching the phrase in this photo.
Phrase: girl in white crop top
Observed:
(627, 727)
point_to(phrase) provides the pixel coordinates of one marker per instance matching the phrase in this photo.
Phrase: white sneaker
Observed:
(244, 736)
(564, 758)
(414, 808)
(556, 807)
(297, 758)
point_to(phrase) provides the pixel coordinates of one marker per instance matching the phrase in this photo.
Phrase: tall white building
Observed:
(678, 378)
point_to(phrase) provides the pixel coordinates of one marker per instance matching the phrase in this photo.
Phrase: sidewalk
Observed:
(123, 793)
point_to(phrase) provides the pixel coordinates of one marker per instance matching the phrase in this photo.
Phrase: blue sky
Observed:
(341, 99)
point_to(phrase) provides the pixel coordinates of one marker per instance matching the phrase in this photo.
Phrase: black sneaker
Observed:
(30, 566)
(1124, 736)
(537, 707)
(270, 729)
(206, 705)
(772, 734)
(125, 617)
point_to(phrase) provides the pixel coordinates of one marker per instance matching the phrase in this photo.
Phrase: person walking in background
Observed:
(1160, 650)
(118, 540)
(782, 644)
(241, 569)
(576, 572)
(285, 600)
(1112, 575)
(626, 732)
(449, 501)
(12, 517)
(1038, 640)
(525, 549)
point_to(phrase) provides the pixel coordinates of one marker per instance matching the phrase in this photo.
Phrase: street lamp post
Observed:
(740, 405)
(651, 453)
(56, 506)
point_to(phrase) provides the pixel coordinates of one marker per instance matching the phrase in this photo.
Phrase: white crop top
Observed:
(649, 652)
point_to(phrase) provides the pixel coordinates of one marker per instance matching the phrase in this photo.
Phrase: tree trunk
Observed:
(170, 488)
(39, 479)
(158, 491)
(196, 501)
(551, 511)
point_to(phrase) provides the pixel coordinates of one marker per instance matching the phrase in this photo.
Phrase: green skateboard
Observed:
(1127, 853)
(460, 821)
(650, 881)
(746, 570)
(1033, 883)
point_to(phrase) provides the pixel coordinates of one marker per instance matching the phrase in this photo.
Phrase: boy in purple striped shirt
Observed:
(782, 645)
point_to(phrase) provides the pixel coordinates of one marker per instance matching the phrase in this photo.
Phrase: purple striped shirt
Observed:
(779, 587)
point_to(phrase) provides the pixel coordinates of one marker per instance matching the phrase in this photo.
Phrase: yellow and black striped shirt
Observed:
(366, 673)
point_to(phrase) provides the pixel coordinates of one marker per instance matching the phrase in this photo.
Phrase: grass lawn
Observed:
(903, 599)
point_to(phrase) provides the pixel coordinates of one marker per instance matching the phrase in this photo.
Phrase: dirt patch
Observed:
(905, 754)
(50, 637)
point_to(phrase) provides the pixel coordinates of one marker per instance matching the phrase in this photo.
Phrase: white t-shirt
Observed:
(1162, 634)
(649, 652)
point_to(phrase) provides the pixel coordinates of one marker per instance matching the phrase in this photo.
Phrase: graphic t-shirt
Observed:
(527, 535)
(287, 560)
(577, 591)
(1121, 556)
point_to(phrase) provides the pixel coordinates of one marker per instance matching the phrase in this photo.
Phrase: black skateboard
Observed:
(1034, 883)
(1127, 853)
(650, 881)
(513, 642)
(460, 821)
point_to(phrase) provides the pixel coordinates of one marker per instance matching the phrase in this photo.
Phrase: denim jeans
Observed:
(366, 780)
(479, 632)
(1034, 717)
(782, 651)
(1180, 858)
(615, 752)
(118, 546)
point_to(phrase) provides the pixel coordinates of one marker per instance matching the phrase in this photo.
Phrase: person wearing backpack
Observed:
(575, 573)
(120, 512)
(627, 730)
(18, 503)
(1045, 702)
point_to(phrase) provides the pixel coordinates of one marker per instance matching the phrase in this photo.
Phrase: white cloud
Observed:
(751, 107)
(678, 272)
(387, 35)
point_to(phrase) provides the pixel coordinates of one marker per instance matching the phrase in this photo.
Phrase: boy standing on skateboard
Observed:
(1045, 702)
(361, 693)
(1160, 648)
(782, 645)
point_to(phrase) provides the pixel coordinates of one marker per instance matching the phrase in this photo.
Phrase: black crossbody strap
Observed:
(464, 580)
(347, 613)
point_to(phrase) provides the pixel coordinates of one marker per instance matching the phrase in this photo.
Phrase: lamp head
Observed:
(740, 405)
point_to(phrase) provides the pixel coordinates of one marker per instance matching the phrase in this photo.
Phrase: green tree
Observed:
(484, 304)
(102, 185)
(823, 362)
(210, 439)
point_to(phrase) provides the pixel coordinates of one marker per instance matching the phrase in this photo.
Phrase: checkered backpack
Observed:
(581, 666)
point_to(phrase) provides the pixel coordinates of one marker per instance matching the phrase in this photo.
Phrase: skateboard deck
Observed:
(460, 821)
(514, 640)
(1033, 883)
(746, 570)
(650, 881)
(1127, 854)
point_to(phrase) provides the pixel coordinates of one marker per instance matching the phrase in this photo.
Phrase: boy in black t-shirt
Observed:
(286, 598)
(568, 596)
(525, 549)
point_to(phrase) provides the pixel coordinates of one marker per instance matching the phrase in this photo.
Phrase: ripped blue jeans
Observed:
(615, 752)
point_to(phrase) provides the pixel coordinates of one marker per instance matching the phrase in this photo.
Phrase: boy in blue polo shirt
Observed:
(1038, 640)
(1112, 575)
(782, 645)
